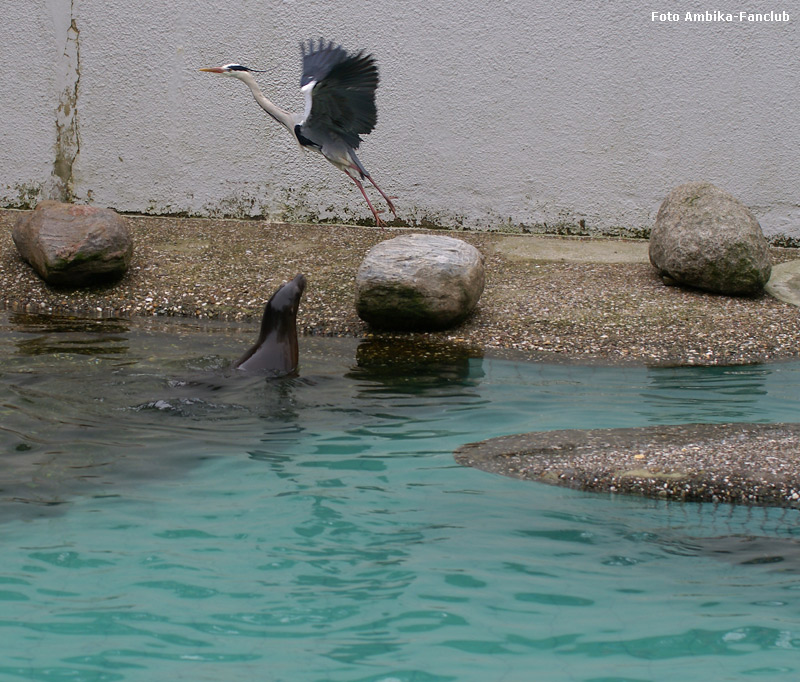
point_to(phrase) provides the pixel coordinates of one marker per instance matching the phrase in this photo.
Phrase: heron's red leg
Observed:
(378, 221)
(388, 200)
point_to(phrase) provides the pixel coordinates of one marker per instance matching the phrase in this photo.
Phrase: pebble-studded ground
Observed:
(753, 464)
(537, 308)
(536, 305)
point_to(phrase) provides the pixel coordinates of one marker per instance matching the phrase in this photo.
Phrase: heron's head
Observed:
(235, 70)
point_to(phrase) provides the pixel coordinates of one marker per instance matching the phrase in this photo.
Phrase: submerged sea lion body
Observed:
(275, 353)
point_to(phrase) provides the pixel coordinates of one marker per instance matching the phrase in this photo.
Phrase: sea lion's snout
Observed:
(300, 282)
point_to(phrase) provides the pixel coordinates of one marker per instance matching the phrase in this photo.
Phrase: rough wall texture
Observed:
(498, 115)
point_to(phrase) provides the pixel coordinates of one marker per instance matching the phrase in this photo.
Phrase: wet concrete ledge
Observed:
(752, 464)
(547, 298)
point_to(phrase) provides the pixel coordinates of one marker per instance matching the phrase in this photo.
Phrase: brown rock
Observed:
(72, 245)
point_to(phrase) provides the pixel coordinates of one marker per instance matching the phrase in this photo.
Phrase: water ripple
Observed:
(221, 527)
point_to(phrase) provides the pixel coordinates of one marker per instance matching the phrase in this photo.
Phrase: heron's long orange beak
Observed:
(214, 69)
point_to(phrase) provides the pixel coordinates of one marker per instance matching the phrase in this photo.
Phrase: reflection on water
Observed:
(397, 361)
(48, 335)
(697, 394)
(213, 525)
(778, 554)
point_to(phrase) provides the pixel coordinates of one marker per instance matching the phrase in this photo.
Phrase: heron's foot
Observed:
(378, 221)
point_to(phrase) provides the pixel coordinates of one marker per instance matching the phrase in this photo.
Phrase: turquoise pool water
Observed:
(161, 519)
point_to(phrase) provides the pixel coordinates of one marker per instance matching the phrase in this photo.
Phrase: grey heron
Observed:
(339, 90)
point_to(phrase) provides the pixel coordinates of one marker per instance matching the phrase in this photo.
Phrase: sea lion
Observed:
(275, 352)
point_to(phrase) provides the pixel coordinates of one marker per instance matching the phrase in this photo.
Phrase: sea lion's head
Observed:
(275, 353)
(286, 299)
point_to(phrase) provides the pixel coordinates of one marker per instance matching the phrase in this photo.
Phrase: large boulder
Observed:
(705, 238)
(419, 282)
(72, 245)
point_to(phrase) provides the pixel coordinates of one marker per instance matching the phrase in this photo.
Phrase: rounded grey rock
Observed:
(705, 238)
(72, 245)
(784, 282)
(419, 282)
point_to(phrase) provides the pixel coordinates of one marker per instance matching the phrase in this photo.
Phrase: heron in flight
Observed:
(339, 90)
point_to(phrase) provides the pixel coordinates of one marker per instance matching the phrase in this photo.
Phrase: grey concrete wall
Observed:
(492, 114)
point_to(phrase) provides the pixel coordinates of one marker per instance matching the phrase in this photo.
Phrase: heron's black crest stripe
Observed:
(239, 67)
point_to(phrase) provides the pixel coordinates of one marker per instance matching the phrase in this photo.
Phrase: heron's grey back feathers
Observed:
(343, 99)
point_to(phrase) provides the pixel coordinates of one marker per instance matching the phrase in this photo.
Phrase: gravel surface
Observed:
(756, 464)
(546, 298)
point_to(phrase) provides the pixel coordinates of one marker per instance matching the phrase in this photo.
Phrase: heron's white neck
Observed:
(282, 116)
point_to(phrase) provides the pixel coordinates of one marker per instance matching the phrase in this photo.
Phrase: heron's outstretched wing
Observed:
(342, 101)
